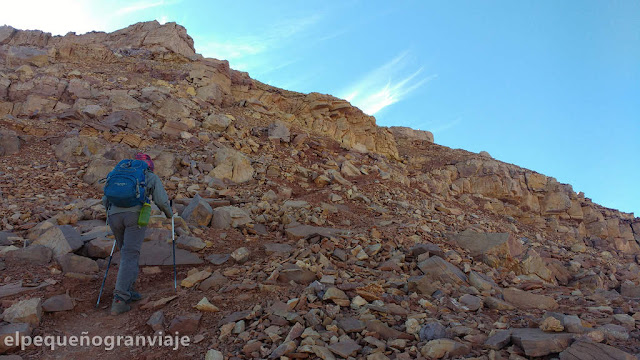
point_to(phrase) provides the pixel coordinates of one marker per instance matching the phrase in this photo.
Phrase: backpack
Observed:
(125, 185)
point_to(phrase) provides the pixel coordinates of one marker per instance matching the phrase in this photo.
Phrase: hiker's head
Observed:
(146, 158)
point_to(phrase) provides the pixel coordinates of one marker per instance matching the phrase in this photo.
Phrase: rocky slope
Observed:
(311, 232)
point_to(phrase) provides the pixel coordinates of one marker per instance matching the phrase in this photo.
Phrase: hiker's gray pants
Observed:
(129, 237)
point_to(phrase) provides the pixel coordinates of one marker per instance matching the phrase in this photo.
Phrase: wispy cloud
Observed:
(139, 7)
(386, 85)
(242, 51)
(444, 126)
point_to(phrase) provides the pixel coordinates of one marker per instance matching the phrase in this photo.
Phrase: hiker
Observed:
(129, 235)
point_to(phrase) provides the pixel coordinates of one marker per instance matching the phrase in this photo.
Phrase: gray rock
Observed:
(214, 355)
(630, 290)
(218, 259)
(190, 243)
(614, 332)
(586, 350)
(351, 325)
(156, 321)
(573, 324)
(72, 263)
(536, 342)
(278, 249)
(213, 282)
(439, 269)
(345, 348)
(61, 239)
(240, 255)
(34, 254)
(481, 281)
(433, 330)
(498, 340)
(4, 238)
(226, 217)
(198, 212)
(58, 303)
(473, 303)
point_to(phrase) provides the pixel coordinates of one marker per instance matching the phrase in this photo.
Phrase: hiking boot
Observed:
(135, 296)
(119, 306)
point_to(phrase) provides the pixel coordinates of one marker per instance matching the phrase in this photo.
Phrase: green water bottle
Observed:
(145, 214)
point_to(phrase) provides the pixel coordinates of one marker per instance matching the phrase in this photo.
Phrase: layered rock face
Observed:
(305, 230)
(195, 86)
(531, 198)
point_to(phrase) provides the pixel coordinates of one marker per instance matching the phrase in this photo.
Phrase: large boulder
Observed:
(198, 212)
(216, 122)
(233, 165)
(60, 239)
(25, 311)
(229, 216)
(72, 263)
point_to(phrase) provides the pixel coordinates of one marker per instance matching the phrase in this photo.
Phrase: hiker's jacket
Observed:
(153, 189)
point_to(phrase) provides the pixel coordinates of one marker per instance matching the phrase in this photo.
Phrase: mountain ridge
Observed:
(312, 229)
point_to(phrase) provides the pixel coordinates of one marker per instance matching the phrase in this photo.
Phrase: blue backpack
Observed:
(125, 184)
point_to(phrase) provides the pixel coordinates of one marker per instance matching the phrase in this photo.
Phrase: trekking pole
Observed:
(108, 264)
(173, 241)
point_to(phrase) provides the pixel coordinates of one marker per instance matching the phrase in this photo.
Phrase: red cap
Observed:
(146, 158)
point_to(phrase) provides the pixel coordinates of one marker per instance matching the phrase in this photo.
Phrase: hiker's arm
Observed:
(160, 197)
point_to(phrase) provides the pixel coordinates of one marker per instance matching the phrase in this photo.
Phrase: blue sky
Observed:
(553, 86)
